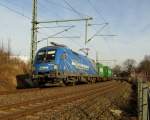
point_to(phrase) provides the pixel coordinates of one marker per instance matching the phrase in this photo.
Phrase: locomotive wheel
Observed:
(73, 83)
(93, 81)
(41, 84)
(62, 83)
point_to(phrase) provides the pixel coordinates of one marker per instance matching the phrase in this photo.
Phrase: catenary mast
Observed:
(33, 31)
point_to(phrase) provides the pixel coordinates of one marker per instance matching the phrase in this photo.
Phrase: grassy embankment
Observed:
(10, 67)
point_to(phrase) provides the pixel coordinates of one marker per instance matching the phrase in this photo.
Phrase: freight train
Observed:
(59, 64)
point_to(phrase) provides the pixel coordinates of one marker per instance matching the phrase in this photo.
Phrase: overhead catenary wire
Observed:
(111, 35)
(109, 47)
(71, 40)
(62, 36)
(55, 34)
(58, 4)
(10, 2)
(66, 37)
(104, 39)
(60, 26)
(29, 18)
(81, 16)
(15, 11)
(96, 10)
(96, 24)
(97, 32)
(102, 17)
(74, 10)
(43, 5)
(69, 8)
(19, 13)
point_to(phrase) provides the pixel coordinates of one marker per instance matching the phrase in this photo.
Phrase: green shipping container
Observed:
(105, 69)
(109, 72)
(100, 70)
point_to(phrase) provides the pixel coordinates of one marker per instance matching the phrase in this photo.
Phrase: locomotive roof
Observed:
(54, 47)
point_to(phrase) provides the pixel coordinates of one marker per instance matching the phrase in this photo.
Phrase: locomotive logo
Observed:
(64, 56)
(80, 66)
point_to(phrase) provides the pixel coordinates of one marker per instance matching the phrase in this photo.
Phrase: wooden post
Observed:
(145, 102)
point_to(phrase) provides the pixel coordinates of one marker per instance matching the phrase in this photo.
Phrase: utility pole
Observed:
(86, 30)
(86, 36)
(33, 31)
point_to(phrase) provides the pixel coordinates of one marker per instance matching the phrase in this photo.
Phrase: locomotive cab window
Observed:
(46, 56)
(50, 55)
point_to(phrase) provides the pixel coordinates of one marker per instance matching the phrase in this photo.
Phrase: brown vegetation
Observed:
(10, 67)
(145, 65)
(129, 68)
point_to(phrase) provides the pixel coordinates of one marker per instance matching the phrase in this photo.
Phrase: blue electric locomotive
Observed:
(59, 64)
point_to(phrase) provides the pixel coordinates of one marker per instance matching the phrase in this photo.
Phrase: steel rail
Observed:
(4, 107)
(28, 110)
(18, 91)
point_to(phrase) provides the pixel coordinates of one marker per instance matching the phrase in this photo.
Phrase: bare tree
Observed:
(117, 70)
(145, 64)
(129, 64)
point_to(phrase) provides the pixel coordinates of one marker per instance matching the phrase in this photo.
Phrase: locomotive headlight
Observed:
(55, 67)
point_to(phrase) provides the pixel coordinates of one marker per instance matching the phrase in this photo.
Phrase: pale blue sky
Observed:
(128, 19)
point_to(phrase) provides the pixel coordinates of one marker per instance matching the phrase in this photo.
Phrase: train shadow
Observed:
(24, 81)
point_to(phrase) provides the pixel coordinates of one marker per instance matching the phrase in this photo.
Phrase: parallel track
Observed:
(18, 91)
(19, 110)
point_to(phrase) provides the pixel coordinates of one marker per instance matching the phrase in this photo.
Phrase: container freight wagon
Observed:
(59, 64)
(107, 73)
(103, 71)
(110, 73)
(100, 70)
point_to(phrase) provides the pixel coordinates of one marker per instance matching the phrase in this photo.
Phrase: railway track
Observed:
(18, 91)
(23, 109)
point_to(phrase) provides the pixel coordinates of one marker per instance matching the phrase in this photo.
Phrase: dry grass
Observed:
(9, 69)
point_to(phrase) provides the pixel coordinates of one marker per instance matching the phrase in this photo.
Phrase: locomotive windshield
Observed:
(45, 56)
